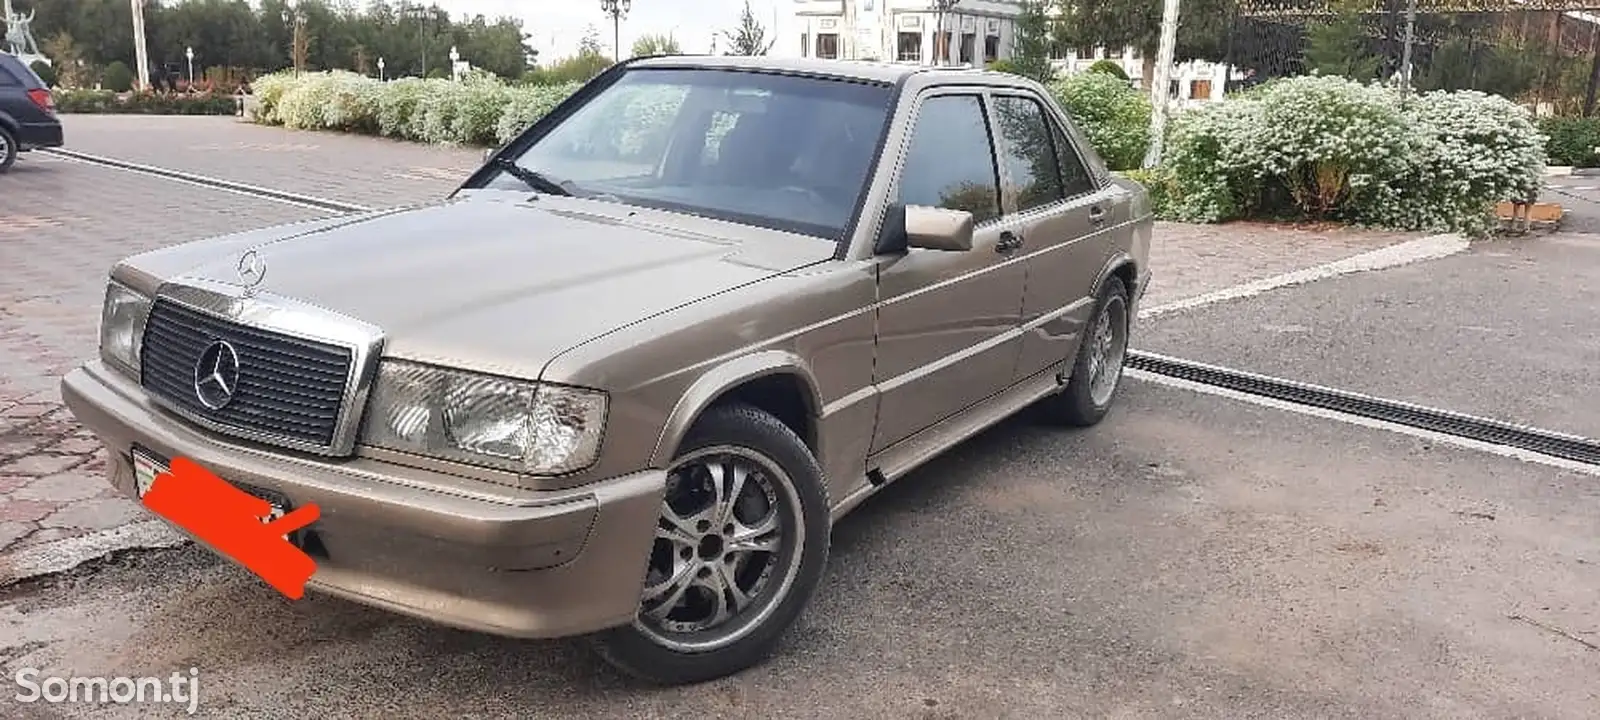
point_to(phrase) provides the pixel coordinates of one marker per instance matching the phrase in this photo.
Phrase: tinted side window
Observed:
(1030, 155)
(951, 160)
(1075, 178)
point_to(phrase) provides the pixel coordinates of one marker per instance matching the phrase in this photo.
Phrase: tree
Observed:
(300, 45)
(656, 45)
(1202, 28)
(1341, 46)
(590, 44)
(68, 59)
(47, 74)
(1031, 56)
(750, 38)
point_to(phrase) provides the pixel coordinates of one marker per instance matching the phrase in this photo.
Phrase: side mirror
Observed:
(933, 228)
(488, 153)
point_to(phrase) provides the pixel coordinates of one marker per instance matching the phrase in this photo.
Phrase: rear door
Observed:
(1063, 218)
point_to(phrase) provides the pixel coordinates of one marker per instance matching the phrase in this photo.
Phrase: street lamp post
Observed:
(616, 10)
(421, 14)
(381, 77)
(188, 54)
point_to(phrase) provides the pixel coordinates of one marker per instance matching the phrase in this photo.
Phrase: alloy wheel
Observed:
(1108, 350)
(726, 549)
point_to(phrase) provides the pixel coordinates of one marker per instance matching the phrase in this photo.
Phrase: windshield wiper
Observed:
(533, 178)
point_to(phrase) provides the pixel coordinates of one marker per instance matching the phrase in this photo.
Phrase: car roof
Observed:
(862, 70)
(20, 69)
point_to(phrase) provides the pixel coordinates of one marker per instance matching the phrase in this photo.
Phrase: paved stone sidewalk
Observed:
(63, 224)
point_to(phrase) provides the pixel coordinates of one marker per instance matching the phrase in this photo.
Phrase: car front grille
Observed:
(289, 389)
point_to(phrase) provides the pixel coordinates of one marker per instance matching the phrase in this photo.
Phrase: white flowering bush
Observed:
(479, 110)
(1114, 115)
(1333, 148)
(526, 105)
(268, 91)
(352, 104)
(1469, 150)
(435, 116)
(305, 105)
(397, 103)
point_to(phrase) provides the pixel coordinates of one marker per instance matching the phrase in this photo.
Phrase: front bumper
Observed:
(417, 542)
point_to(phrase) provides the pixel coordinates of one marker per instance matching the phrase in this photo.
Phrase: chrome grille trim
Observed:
(260, 311)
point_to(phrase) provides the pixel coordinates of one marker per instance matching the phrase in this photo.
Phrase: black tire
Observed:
(641, 649)
(1076, 405)
(8, 149)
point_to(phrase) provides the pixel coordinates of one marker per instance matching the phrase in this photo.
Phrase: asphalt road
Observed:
(1191, 557)
(1579, 196)
(1508, 330)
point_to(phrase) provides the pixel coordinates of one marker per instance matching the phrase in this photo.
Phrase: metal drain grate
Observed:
(1568, 447)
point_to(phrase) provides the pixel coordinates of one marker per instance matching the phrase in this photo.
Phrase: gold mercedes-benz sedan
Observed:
(624, 379)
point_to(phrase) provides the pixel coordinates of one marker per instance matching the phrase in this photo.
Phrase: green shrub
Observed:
(1158, 184)
(1109, 67)
(1114, 115)
(142, 103)
(46, 73)
(1005, 66)
(1572, 141)
(117, 77)
(1332, 148)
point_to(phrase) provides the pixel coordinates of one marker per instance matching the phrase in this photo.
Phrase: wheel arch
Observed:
(776, 381)
(1123, 267)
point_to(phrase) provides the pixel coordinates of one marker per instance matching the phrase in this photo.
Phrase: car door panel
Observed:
(1069, 222)
(947, 321)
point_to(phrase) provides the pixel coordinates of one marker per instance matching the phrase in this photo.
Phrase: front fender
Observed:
(720, 379)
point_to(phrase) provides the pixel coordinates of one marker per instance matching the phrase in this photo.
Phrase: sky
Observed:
(558, 25)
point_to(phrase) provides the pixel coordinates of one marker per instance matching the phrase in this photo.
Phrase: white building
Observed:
(975, 33)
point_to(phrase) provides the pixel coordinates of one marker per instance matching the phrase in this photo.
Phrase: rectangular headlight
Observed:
(122, 320)
(514, 425)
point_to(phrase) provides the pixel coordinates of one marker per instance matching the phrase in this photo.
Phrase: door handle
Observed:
(1010, 242)
(1097, 215)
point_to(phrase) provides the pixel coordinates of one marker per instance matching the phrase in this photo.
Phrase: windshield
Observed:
(786, 152)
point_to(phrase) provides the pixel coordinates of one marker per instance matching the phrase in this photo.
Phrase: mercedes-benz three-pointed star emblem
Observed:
(216, 375)
(252, 269)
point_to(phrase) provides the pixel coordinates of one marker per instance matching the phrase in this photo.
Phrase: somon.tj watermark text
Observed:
(182, 688)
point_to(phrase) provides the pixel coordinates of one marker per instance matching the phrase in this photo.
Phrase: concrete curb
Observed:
(1569, 171)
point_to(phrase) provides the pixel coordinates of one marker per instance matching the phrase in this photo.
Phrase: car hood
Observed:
(495, 284)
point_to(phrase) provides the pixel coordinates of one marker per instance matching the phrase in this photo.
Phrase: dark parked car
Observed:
(27, 111)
